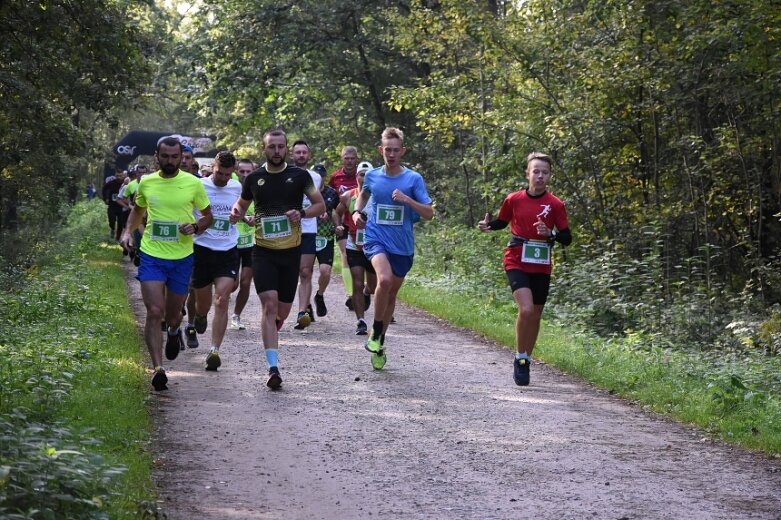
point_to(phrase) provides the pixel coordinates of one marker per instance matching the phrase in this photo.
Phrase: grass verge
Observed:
(73, 389)
(686, 386)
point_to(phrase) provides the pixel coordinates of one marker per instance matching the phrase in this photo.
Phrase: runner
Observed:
(278, 190)
(342, 180)
(190, 165)
(326, 227)
(246, 229)
(123, 202)
(216, 255)
(537, 221)
(188, 161)
(166, 249)
(301, 156)
(128, 196)
(110, 193)
(393, 196)
(360, 266)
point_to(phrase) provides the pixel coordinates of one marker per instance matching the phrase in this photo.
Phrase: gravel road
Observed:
(441, 432)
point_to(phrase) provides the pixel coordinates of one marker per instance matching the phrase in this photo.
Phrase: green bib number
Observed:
(164, 231)
(275, 227)
(221, 224)
(534, 252)
(245, 241)
(360, 237)
(390, 215)
(320, 243)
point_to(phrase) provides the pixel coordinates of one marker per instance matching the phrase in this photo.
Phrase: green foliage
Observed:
(628, 333)
(68, 343)
(318, 69)
(64, 68)
(46, 473)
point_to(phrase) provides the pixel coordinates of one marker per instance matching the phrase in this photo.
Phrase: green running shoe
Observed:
(373, 345)
(379, 359)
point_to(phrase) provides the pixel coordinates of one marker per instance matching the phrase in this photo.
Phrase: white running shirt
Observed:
(309, 225)
(221, 235)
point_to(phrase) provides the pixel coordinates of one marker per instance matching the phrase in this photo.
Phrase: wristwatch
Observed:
(361, 213)
(195, 227)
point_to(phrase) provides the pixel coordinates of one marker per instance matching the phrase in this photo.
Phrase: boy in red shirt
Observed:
(537, 221)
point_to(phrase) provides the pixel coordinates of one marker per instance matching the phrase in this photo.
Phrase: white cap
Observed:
(365, 166)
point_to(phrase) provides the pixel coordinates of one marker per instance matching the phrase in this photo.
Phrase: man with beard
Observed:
(168, 196)
(217, 255)
(278, 191)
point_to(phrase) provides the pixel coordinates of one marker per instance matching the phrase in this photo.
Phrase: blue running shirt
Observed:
(390, 222)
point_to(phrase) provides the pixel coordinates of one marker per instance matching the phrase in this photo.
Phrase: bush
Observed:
(45, 474)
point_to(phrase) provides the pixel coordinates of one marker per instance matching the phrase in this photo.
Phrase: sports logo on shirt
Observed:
(261, 182)
(546, 209)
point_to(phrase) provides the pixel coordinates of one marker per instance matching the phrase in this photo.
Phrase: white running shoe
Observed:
(236, 323)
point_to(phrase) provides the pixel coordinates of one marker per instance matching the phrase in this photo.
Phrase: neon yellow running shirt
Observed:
(130, 189)
(169, 203)
(246, 232)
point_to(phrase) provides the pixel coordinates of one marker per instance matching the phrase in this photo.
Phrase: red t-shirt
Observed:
(523, 211)
(348, 222)
(342, 182)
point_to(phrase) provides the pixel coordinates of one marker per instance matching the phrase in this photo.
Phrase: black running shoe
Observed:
(200, 323)
(192, 336)
(310, 312)
(213, 361)
(159, 380)
(349, 303)
(274, 379)
(302, 321)
(173, 345)
(361, 329)
(320, 305)
(521, 371)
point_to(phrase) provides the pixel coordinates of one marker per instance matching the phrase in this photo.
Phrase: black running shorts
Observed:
(276, 270)
(210, 265)
(538, 283)
(358, 259)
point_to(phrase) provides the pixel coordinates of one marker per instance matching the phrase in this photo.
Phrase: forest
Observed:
(662, 118)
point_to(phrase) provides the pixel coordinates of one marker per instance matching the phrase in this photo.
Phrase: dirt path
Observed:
(442, 432)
